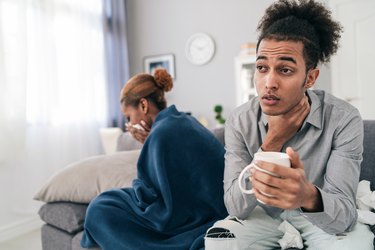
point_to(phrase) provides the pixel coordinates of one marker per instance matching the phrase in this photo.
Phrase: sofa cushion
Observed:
(368, 163)
(83, 180)
(67, 216)
(76, 242)
(54, 238)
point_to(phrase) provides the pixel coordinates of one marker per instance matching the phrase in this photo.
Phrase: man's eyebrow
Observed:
(261, 58)
(283, 58)
(289, 59)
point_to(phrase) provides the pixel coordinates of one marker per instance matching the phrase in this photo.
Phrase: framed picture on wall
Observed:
(165, 61)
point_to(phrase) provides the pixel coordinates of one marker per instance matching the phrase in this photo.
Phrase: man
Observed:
(321, 134)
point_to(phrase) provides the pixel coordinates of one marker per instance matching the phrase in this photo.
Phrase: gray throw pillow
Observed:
(83, 180)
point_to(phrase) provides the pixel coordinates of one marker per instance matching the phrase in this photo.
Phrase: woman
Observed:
(177, 194)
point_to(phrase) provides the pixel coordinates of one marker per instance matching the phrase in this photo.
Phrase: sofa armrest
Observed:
(368, 163)
(108, 137)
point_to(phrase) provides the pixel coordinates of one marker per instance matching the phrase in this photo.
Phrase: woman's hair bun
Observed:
(163, 79)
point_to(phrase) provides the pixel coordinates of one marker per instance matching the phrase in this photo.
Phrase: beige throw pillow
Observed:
(83, 180)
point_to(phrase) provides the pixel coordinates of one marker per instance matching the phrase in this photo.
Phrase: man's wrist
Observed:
(314, 203)
(272, 143)
(271, 147)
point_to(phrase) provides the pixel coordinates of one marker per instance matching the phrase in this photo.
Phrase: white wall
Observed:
(163, 26)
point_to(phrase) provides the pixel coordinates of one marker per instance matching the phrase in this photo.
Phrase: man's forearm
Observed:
(338, 215)
(272, 142)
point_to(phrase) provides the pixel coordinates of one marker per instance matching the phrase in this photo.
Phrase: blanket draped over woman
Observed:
(176, 197)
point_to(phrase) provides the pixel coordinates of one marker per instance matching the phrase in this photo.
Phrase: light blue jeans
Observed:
(259, 231)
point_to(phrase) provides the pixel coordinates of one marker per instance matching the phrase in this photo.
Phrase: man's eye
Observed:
(286, 71)
(261, 68)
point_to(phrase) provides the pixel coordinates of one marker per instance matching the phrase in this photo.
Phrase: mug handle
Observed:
(243, 189)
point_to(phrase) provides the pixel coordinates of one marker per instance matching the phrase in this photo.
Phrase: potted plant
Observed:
(219, 118)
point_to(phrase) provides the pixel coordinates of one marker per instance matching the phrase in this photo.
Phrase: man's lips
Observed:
(270, 99)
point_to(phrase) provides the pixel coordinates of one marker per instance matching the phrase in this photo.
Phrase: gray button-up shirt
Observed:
(330, 144)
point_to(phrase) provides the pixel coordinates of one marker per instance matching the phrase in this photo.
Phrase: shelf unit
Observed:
(244, 73)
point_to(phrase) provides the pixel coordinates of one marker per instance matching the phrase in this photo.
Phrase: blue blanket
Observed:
(177, 196)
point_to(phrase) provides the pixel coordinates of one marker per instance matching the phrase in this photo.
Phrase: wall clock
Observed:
(200, 48)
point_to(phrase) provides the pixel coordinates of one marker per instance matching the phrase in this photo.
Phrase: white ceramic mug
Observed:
(278, 158)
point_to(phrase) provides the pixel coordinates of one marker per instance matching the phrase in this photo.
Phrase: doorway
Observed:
(353, 66)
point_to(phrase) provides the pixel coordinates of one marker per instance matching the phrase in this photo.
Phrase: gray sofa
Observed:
(64, 220)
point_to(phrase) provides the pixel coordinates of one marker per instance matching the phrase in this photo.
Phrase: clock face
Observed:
(200, 48)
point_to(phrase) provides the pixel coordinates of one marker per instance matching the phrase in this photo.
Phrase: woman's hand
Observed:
(139, 131)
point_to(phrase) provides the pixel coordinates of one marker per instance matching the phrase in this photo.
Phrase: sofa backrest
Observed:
(127, 142)
(219, 133)
(368, 163)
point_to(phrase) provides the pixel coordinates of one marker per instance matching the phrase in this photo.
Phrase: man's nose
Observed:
(272, 81)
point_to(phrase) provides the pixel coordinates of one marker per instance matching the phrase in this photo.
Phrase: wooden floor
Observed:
(29, 241)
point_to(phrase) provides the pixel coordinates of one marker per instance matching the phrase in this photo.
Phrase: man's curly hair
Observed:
(306, 21)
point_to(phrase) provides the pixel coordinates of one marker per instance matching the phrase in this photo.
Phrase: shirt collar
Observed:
(315, 115)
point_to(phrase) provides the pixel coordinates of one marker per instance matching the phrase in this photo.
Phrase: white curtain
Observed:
(52, 94)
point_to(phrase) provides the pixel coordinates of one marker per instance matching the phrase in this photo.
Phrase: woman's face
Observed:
(134, 115)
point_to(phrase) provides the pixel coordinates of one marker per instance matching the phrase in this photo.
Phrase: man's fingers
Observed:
(303, 108)
(294, 158)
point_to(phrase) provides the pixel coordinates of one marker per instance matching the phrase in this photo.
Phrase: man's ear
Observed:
(312, 75)
(143, 103)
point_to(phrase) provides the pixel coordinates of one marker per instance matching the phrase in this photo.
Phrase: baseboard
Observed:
(19, 228)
